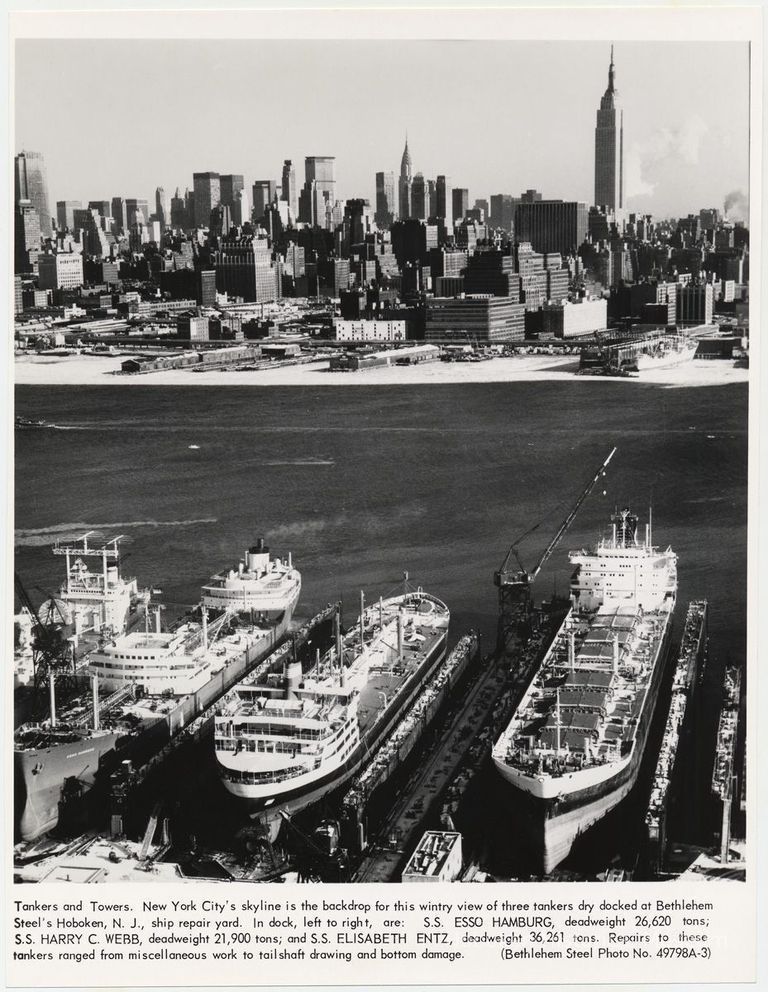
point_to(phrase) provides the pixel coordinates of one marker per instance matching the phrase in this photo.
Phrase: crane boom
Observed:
(569, 519)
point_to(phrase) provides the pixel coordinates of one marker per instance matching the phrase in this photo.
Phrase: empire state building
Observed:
(609, 148)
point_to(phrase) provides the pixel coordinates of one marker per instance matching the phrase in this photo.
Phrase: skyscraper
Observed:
(27, 241)
(30, 183)
(552, 225)
(264, 191)
(289, 193)
(162, 207)
(609, 148)
(319, 193)
(207, 188)
(444, 205)
(386, 208)
(460, 203)
(419, 203)
(404, 186)
(65, 214)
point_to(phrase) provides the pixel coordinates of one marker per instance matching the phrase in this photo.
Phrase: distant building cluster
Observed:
(223, 261)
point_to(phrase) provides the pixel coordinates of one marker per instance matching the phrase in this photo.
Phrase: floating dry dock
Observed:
(692, 648)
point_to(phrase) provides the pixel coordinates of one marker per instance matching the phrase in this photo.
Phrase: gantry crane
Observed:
(515, 601)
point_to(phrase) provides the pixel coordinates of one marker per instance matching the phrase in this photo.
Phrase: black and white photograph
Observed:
(381, 460)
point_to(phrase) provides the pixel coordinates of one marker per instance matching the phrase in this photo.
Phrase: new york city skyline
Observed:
(517, 115)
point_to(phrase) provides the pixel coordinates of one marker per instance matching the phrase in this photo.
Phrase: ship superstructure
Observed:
(283, 743)
(98, 599)
(145, 686)
(573, 747)
(260, 586)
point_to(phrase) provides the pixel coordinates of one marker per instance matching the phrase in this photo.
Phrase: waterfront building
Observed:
(369, 330)
(552, 225)
(567, 320)
(30, 183)
(207, 195)
(192, 327)
(460, 199)
(486, 319)
(609, 148)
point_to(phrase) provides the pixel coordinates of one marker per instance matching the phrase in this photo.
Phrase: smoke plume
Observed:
(736, 205)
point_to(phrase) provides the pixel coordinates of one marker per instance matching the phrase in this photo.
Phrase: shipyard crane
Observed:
(52, 652)
(514, 584)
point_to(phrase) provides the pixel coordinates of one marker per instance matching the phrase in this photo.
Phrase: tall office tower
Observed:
(118, 214)
(27, 237)
(30, 183)
(289, 193)
(460, 203)
(419, 197)
(103, 206)
(444, 201)
(552, 225)
(404, 186)
(245, 268)
(179, 217)
(239, 208)
(609, 148)
(133, 208)
(207, 192)
(386, 208)
(502, 211)
(162, 207)
(229, 187)
(530, 196)
(65, 210)
(431, 198)
(357, 221)
(482, 205)
(318, 197)
(264, 192)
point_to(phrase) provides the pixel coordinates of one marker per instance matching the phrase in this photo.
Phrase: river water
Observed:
(364, 484)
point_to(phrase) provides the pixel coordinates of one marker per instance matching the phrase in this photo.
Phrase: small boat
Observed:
(25, 424)
(194, 447)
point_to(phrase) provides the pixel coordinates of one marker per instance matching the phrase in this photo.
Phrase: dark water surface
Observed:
(361, 484)
(364, 483)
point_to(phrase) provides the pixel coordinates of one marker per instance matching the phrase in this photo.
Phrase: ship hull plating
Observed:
(550, 827)
(41, 773)
(310, 790)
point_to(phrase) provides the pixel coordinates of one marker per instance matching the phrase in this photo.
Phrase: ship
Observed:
(284, 742)
(146, 685)
(668, 351)
(573, 748)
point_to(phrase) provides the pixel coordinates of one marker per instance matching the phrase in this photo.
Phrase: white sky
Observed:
(118, 118)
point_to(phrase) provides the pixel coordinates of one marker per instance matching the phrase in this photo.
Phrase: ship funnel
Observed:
(258, 557)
